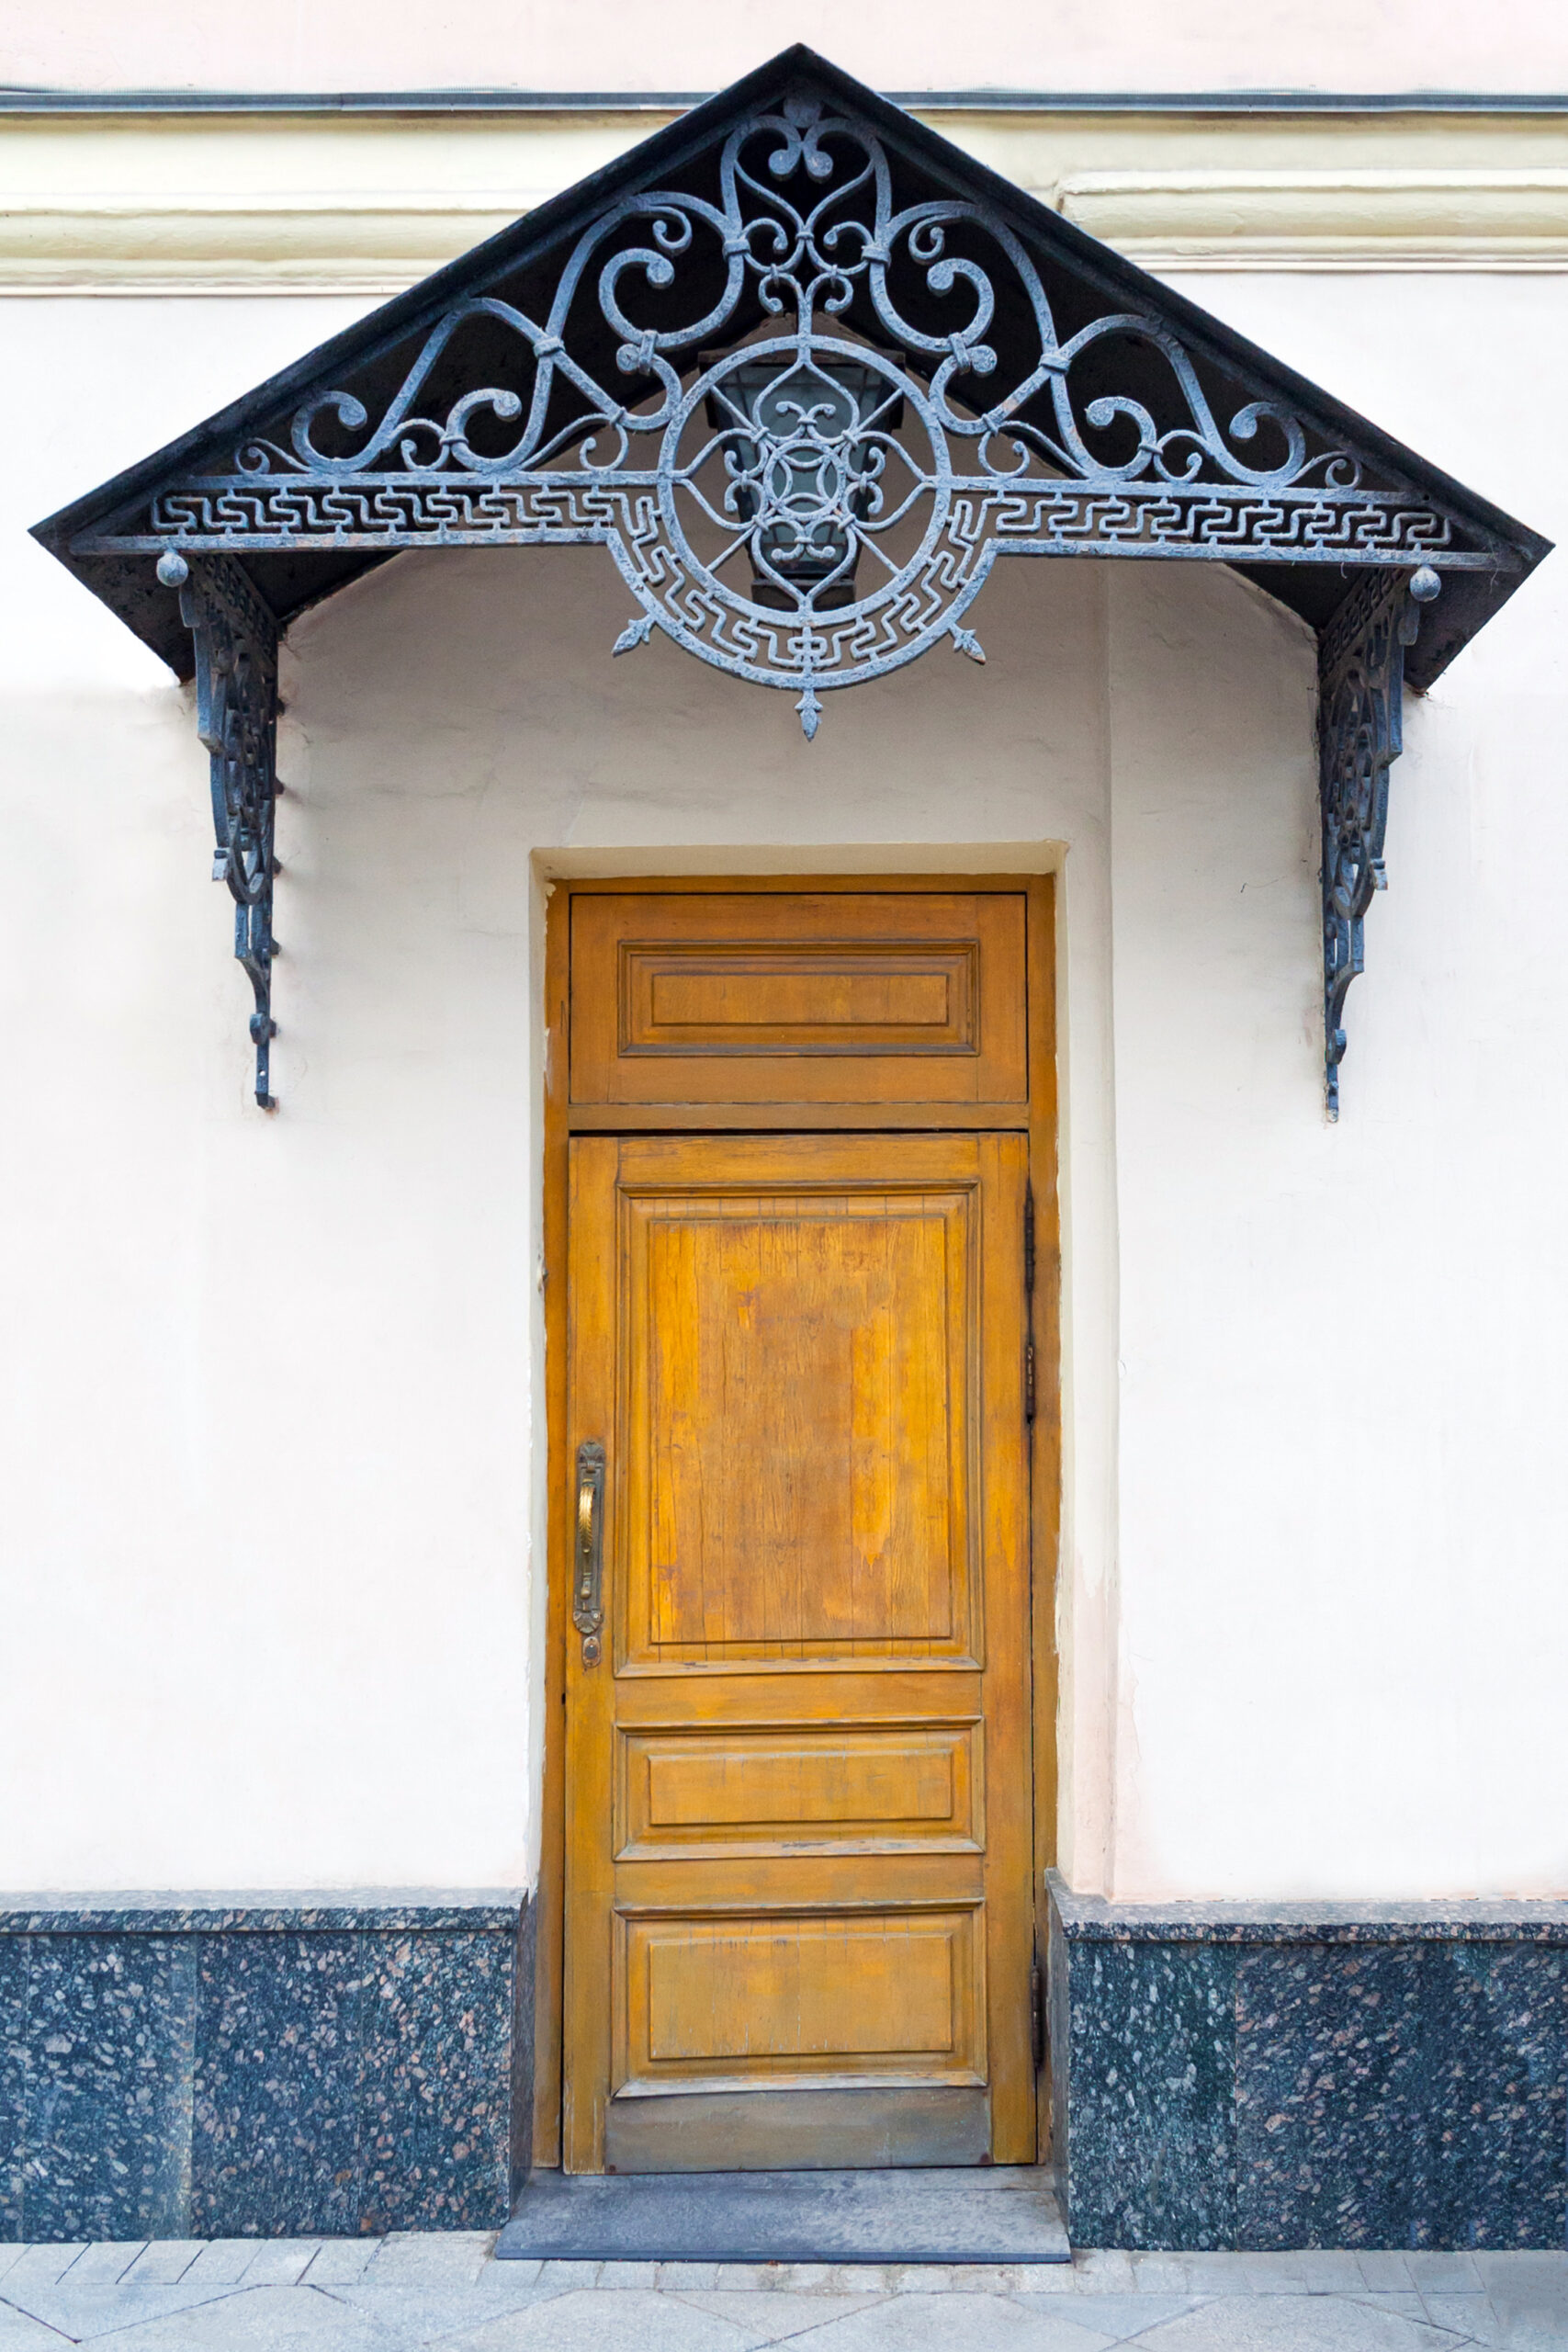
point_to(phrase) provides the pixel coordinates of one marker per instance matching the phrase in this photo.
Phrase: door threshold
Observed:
(982, 2213)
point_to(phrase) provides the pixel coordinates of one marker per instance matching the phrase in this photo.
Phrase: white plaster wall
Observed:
(1074, 45)
(270, 1498)
(269, 1502)
(1343, 1526)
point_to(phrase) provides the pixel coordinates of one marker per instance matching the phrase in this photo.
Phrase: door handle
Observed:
(587, 1591)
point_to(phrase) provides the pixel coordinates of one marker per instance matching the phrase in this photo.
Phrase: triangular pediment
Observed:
(1027, 391)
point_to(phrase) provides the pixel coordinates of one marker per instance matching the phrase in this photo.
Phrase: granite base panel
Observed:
(262, 2067)
(1373, 2076)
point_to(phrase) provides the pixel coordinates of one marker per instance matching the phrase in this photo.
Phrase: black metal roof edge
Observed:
(18, 99)
(363, 341)
(1223, 346)
(564, 214)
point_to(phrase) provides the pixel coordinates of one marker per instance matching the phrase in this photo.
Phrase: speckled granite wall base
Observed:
(1361, 2075)
(260, 2066)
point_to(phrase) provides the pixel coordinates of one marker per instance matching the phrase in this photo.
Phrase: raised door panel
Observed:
(755, 1790)
(874, 997)
(803, 999)
(796, 1423)
(759, 2002)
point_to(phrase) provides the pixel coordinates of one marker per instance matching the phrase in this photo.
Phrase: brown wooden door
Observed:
(798, 1835)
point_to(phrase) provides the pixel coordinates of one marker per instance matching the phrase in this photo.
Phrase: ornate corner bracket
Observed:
(235, 640)
(1360, 699)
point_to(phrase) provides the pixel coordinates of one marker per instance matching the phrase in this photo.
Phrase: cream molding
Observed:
(347, 204)
(195, 243)
(1337, 220)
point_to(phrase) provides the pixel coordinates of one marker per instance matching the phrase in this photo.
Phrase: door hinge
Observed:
(1028, 1380)
(1028, 1240)
(1037, 2016)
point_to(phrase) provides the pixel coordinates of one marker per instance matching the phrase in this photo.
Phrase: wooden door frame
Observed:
(1047, 1463)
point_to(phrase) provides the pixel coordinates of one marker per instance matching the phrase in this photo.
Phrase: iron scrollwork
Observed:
(1361, 732)
(235, 642)
(806, 403)
(803, 538)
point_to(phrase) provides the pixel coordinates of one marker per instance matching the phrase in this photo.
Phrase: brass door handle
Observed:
(587, 1591)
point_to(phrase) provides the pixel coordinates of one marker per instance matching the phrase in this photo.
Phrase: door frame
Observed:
(1039, 890)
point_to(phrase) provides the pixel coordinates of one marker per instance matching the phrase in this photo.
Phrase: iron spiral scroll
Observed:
(807, 372)
(681, 398)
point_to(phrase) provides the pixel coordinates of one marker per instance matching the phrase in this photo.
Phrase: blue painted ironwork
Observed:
(1360, 694)
(235, 640)
(806, 384)
(718, 503)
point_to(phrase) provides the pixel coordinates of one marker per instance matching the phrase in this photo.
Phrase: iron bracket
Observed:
(1360, 734)
(235, 641)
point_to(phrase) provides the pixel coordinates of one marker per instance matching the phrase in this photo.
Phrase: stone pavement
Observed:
(394, 2294)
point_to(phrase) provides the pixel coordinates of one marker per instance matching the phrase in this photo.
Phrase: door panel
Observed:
(798, 1837)
(735, 2002)
(794, 1789)
(765, 1333)
(795, 997)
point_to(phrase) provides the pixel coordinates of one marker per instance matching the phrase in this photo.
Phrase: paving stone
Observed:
(1123, 2317)
(960, 2324)
(586, 2322)
(1129, 2315)
(992, 2278)
(1538, 2278)
(19, 2332)
(84, 2311)
(1444, 2274)
(165, 2262)
(1046, 2278)
(1217, 2274)
(1275, 2274)
(458, 2255)
(41, 2265)
(779, 2317)
(444, 2292)
(514, 2274)
(413, 2312)
(259, 2319)
(1104, 2270)
(1159, 2273)
(569, 2274)
(338, 2262)
(222, 2262)
(1473, 2319)
(1529, 2293)
(1385, 2274)
(106, 2265)
(794, 2278)
(1406, 2306)
(1270, 2323)
(1324, 2272)
(281, 2262)
(1522, 2333)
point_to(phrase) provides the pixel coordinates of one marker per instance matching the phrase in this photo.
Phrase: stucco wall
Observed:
(269, 1499)
(1343, 1519)
(1078, 45)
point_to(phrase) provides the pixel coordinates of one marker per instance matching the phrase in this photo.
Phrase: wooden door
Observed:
(799, 1913)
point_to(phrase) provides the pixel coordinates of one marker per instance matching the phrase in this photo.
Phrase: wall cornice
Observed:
(1349, 219)
(352, 201)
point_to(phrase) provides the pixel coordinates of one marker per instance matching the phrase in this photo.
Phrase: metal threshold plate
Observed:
(990, 2213)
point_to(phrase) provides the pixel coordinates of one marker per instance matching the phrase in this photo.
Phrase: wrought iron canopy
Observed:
(807, 371)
